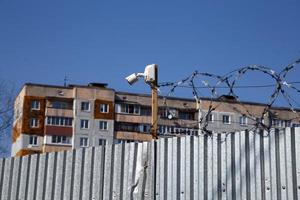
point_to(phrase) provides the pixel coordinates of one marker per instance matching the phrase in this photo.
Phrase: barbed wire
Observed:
(164, 84)
(230, 81)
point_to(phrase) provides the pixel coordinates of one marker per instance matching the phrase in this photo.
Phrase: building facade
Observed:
(53, 118)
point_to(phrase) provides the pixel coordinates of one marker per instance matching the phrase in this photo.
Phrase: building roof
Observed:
(224, 98)
(71, 86)
(220, 99)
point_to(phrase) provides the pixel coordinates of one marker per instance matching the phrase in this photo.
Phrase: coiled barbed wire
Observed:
(230, 80)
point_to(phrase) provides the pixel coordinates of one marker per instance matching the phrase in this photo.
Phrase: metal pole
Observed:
(154, 109)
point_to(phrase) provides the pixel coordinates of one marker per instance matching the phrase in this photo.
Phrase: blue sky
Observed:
(101, 41)
(104, 41)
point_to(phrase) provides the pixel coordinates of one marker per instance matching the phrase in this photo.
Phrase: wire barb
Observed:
(230, 81)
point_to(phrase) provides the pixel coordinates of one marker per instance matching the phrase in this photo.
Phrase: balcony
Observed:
(58, 130)
(59, 112)
(133, 118)
(124, 135)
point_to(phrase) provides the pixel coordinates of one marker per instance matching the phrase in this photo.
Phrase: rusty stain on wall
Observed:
(28, 113)
(98, 114)
(24, 152)
(16, 131)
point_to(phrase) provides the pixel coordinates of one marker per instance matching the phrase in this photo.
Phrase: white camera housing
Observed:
(150, 75)
(131, 79)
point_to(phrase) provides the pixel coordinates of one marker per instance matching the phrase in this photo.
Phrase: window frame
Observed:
(83, 141)
(60, 139)
(59, 121)
(144, 128)
(59, 105)
(104, 108)
(101, 141)
(185, 115)
(225, 121)
(130, 109)
(85, 106)
(34, 123)
(288, 123)
(105, 127)
(35, 105)
(84, 124)
(243, 120)
(33, 140)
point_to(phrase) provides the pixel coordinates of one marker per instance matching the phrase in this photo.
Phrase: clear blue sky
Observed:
(102, 41)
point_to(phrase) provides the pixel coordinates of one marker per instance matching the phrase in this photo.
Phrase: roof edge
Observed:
(211, 99)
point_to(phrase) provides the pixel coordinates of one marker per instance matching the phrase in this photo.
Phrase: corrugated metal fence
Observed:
(245, 165)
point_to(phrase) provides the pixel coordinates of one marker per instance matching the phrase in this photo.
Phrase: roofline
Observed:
(148, 95)
(209, 99)
(71, 86)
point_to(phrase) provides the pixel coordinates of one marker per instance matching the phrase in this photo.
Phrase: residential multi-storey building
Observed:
(53, 118)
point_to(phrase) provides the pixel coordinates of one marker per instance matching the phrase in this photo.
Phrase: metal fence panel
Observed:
(32, 177)
(23, 177)
(296, 159)
(243, 165)
(6, 178)
(289, 163)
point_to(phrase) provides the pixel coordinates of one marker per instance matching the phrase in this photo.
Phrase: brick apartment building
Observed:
(52, 118)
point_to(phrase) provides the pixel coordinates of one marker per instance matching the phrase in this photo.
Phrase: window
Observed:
(34, 123)
(145, 128)
(171, 129)
(243, 120)
(161, 129)
(35, 105)
(278, 122)
(85, 106)
(226, 119)
(104, 108)
(33, 140)
(130, 109)
(58, 139)
(287, 123)
(126, 126)
(102, 141)
(84, 124)
(60, 105)
(210, 117)
(59, 121)
(84, 142)
(145, 111)
(171, 113)
(186, 115)
(103, 125)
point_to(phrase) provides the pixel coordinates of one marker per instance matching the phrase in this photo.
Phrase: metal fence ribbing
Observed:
(242, 165)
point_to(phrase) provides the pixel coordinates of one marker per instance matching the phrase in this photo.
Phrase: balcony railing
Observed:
(59, 112)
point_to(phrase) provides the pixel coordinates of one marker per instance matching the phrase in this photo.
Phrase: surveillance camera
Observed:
(151, 73)
(131, 79)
